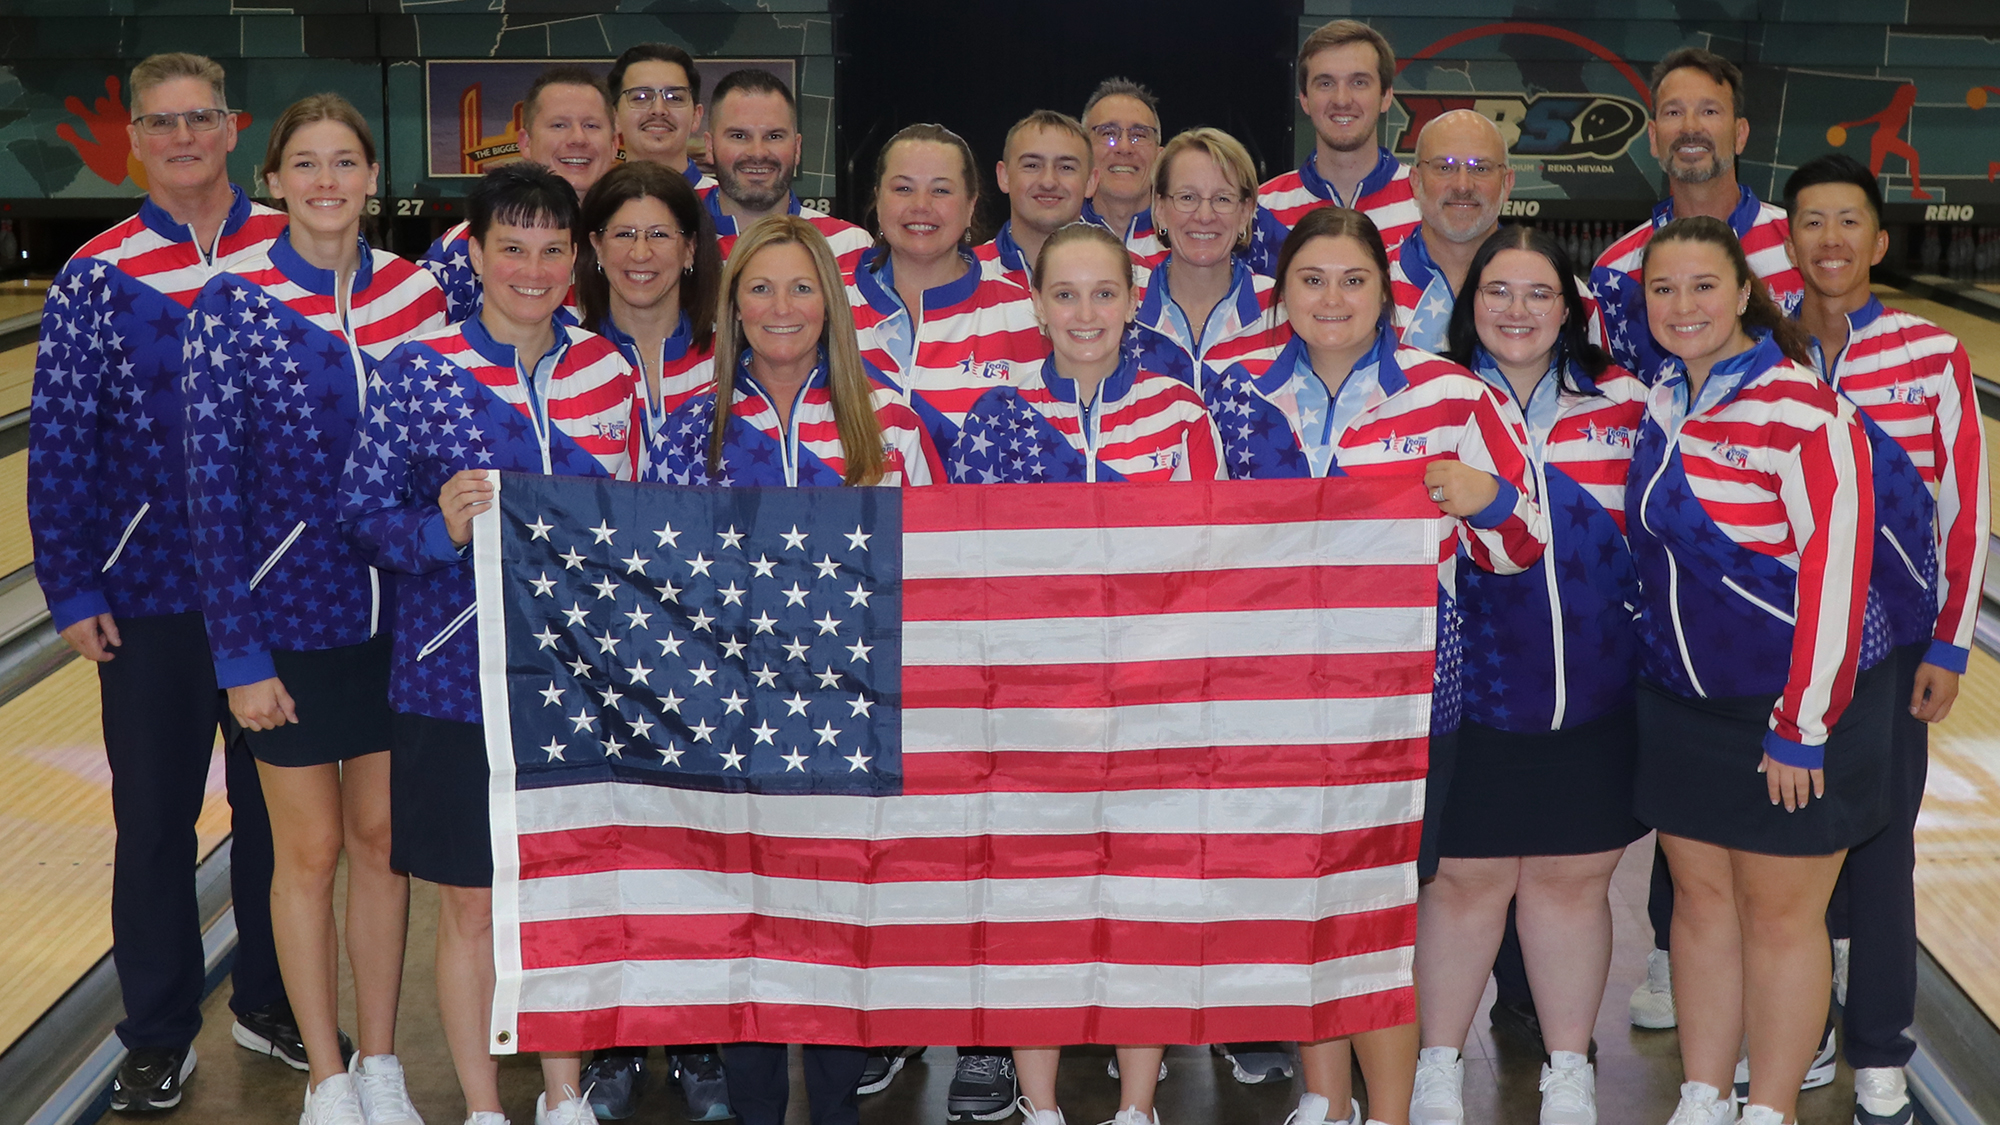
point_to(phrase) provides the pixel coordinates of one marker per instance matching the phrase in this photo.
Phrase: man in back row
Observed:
(754, 141)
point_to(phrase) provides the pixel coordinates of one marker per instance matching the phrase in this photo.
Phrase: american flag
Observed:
(984, 764)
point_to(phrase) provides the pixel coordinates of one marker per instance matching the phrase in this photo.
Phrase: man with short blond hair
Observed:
(1046, 174)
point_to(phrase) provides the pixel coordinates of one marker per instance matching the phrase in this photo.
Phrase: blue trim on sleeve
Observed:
(71, 610)
(1951, 658)
(1782, 749)
(434, 541)
(1496, 513)
(240, 670)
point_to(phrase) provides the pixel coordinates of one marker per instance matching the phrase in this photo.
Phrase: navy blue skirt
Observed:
(1564, 792)
(438, 816)
(342, 699)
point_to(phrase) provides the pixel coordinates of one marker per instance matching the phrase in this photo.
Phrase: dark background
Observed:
(978, 66)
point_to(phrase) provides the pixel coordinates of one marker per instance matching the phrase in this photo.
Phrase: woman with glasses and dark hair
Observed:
(1343, 399)
(656, 108)
(1548, 680)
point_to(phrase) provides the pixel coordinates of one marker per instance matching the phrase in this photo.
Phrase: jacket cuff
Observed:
(1496, 513)
(1782, 749)
(77, 607)
(1949, 657)
(434, 541)
(240, 670)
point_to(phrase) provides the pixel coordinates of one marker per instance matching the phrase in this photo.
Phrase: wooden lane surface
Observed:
(56, 836)
(15, 549)
(17, 377)
(1980, 336)
(1958, 839)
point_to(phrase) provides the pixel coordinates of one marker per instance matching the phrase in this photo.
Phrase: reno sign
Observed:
(1536, 127)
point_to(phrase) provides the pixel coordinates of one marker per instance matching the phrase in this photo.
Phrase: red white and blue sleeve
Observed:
(1963, 513)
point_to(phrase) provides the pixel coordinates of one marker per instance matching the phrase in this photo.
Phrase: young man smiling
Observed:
(1046, 176)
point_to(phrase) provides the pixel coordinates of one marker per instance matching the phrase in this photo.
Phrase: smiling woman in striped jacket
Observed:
(1763, 755)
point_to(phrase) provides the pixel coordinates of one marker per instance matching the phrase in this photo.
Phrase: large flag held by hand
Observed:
(1002, 765)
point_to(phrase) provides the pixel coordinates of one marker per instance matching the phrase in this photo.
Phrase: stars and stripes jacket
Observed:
(969, 336)
(846, 240)
(1140, 237)
(685, 371)
(1249, 329)
(760, 450)
(1420, 408)
(1553, 646)
(1762, 229)
(1003, 249)
(1385, 196)
(1424, 299)
(1912, 383)
(1140, 426)
(1750, 519)
(107, 476)
(277, 381)
(455, 400)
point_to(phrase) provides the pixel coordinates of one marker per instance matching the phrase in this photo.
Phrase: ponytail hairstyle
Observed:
(968, 170)
(1573, 344)
(1761, 313)
(846, 375)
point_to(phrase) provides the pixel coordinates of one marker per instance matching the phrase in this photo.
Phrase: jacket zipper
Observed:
(1760, 603)
(1905, 556)
(450, 630)
(264, 570)
(125, 538)
(1673, 568)
(346, 306)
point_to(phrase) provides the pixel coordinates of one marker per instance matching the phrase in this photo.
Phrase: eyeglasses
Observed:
(1498, 298)
(1187, 203)
(1476, 168)
(199, 120)
(628, 237)
(674, 96)
(1136, 135)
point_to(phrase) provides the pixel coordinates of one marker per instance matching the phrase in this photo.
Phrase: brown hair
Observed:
(564, 74)
(155, 69)
(1760, 312)
(1334, 222)
(846, 376)
(1724, 72)
(1081, 231)
(936, 134)
(1055, 121)
(306, 111)
(642, 179)
(1229, 155)
(1339, 33)
(1120, 87)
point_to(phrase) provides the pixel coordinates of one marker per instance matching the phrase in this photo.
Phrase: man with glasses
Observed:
(1461, 179)
(657, 92)
(1123, 121)
(1345, 73)
(107, 508)
(753, 141)
(566, 126)
(1046, 177)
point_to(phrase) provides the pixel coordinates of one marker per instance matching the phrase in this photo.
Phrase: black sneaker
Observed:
(705, 1086)
(1256, 1063)
(881, 1068)
(272, 1030)
(982, 1088)
(613, 1083)
(150, 1081)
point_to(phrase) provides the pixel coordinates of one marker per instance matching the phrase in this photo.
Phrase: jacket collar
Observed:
(1385, 170)
(676, 344)
(1740, 220)
(166, 226)
(310, 277)
(878, 286)
(502, 355)
(1063, 389)
(726, 224)
(1388, 373)
(1242, 292)
(1739, 370)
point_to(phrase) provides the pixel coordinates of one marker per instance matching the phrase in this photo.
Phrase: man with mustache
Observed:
(753, 139)
(1123, 120)
(657, 91)
(1696, 134)
(1346, 70)
(566, 124)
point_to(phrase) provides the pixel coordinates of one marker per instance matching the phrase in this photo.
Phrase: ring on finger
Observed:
(1437, 494)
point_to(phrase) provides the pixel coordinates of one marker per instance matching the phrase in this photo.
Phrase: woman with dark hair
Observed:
(514, 388)
(295, 613)
(1764, 701)
(1343, 399)
(1548, 689)
(646, 279)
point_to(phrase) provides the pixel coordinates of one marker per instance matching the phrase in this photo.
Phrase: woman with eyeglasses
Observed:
(1343, 399)
(1205, 308)
(1548, 690)
(656, 98)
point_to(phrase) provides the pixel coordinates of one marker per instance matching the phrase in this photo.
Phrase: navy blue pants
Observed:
(161, 713)
(760, 1087)
(1881, 916)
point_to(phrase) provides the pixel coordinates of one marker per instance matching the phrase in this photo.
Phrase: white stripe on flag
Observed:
(1091, 983)
(1156, 726)
(1168, 636)
(1161, 550)
(1128, 898)
(1308, 810)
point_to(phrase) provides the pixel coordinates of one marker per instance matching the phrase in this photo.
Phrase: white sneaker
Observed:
(1703, 1104)
(1569, 1090)
(1313, 1108)
(572, 1110)
(1761, 1115)
(1841, 948)
(1882, 1096)
(1819, 1074)
(487, 1117)
(333, 1102)
(384, 1098)
(1032, 1116)
(1111, 1068)
(1653, 1001)
(1130, 1115)
(1439, 1097)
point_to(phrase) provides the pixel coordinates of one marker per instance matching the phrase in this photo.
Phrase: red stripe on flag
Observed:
(1321, 676)
(1194, 767)
(584, 851)
(1215, 591)
(652, 938)
(1162, 504)
(993, 1027)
